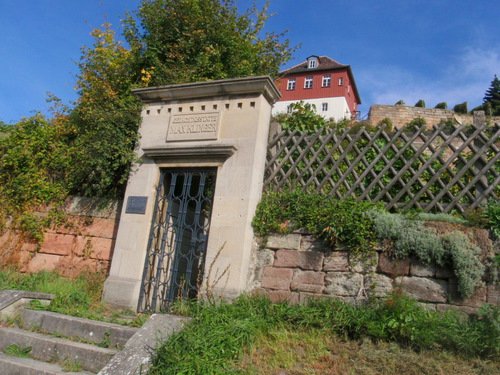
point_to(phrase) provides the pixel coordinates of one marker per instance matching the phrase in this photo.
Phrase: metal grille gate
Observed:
(178, 239)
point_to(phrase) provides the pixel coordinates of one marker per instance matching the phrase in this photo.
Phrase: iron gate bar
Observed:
(177, 242)
(145, 283)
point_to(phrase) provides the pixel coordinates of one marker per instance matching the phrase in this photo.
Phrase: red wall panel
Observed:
(317, 91)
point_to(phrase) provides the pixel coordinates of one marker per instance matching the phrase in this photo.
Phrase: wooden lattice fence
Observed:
(447, 168)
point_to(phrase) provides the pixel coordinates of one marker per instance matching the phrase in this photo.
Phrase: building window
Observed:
(324, 107)
(312, 62)
(289, 109)
(327, 80)
(291, 84)
(341, 81)
(308, 83)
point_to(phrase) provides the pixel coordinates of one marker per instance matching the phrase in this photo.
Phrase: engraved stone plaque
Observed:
(136, 205)
(193, 126)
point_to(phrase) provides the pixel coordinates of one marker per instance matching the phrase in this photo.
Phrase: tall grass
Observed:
(80, 296)
(80, 293)
(219, 333)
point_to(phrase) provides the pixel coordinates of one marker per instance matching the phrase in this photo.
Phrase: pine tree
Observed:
(492, 96)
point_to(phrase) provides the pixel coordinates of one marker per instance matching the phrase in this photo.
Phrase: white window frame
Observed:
(324, 107)
(327, 80)
(308, 83)
(312, 63)
(341, 81)
(291, 84)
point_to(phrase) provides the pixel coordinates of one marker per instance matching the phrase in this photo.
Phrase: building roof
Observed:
(324, 62)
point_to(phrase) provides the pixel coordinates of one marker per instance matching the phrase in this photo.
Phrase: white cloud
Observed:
(466, 78)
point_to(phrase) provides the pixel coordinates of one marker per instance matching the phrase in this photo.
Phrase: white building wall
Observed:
(337, 107)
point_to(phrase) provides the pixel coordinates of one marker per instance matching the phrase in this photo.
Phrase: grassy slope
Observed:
(288, 351)
(253, 336)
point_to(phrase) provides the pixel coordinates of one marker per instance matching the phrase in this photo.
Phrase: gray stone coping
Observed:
(135, 358)
(9, 297)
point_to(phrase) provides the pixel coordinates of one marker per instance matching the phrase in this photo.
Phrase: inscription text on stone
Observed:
(193, 126)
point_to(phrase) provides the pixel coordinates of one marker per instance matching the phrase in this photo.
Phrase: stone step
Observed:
(49, 349)
(108, 334)
(10, 365)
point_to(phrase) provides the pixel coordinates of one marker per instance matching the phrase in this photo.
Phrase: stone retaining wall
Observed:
(402, 114)
(85, 242)
(296, 267)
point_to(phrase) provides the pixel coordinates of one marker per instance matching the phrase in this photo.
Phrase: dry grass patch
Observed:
(289, 351)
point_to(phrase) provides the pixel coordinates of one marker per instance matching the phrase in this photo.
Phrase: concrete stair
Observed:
(55, 343)
(57, 340)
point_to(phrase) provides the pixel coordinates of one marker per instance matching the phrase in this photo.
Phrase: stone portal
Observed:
(219, 126)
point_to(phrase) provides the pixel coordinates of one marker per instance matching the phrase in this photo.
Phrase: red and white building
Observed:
(321, 81)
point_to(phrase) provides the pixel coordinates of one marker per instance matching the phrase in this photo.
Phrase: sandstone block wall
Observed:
(402, 114)
(84, 242)
(296, 267)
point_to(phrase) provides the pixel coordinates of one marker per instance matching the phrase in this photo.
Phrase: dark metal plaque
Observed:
(136, 205)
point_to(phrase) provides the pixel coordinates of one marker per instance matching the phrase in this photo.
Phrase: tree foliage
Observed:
(461, 108)
(303, 117)
(176, 41)
(106, 117)
(492, 97)
(442, 105)
(420, 103)
(88, 150)
(33, 163)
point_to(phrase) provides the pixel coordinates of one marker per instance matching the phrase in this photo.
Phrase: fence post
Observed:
(479, 119)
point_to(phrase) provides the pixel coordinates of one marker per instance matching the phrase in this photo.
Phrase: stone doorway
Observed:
(178, 238)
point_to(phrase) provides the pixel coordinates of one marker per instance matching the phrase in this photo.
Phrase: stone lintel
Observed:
(217, 153)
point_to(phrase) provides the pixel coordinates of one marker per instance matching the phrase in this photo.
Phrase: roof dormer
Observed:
(312, 62)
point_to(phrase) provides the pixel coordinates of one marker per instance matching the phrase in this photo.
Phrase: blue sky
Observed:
(436, 50)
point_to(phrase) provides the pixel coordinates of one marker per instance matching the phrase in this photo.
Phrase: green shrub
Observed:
(415, 124)
(493, 215)
(345, 221)
(461, 108)
(465, 261)
(420, 103)
(387, 122)
(447, 218)
(303, 117)
(34, 161)
(442, 105)
(387, 225)
(421, 242)
(412, 238)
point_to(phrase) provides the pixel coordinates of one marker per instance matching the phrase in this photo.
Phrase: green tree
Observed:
(461, 108)
(420, 103)
(175, 41)
(442, 105)
(34, 165)
(302, 117)
(492, 96)
(105, 118)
